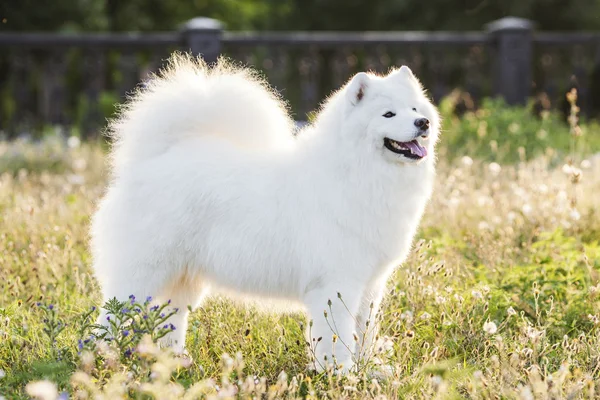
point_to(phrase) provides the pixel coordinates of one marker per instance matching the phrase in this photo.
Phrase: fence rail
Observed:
(326, 39)
(75, 80)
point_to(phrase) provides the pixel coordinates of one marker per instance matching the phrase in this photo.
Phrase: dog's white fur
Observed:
(211, 189)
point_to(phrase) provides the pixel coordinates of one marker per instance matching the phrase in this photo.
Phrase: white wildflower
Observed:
(73, 142)
(459, 298)
(526, 209)
(384, 345)
(425, 315)
(467, 161)
(495, 168)
(79, 164)
(407, 315)
(43, 390)
(483, 226)
(533, 333)
(585, 164)
(511, 311)
(567, 169)
(490, 328)
(514, 127)
(526, 393)
(542, 134)
(477, 294)
(76, 179)
(562, 196)
(575, 215)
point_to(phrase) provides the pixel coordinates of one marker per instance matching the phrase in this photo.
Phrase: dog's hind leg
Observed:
(184, 290)
(140, 283)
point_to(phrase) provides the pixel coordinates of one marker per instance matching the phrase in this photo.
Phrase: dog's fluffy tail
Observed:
(189, 99)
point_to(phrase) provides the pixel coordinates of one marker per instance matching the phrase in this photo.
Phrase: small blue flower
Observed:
(166, 326)
(148, 299)
(125, 333)
(108, 318)
(169, 302)
(176, 310)
(172, 327)
(125, 310)
(80, 344)
(154, 308)
(51, 307)
(93, 308)
(162, 315)
(128, 352)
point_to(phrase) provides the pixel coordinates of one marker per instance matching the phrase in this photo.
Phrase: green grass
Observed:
(499, 299)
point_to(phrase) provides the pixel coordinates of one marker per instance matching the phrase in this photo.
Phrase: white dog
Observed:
(211, 190)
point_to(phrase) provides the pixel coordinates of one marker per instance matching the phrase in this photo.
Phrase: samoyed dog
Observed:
(211, 190)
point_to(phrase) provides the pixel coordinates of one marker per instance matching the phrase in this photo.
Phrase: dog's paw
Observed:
(382, 373)
(184, 359)
(334, 368)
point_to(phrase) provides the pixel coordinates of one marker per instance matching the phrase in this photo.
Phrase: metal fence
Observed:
(74, 81)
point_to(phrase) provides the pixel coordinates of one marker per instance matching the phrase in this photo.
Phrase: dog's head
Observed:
(392, 114)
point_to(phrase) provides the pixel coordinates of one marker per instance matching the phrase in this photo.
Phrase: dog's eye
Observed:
(414, 109)
(389, 114)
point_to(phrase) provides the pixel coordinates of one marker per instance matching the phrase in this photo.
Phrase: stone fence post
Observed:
(202, 36)
(512, 57)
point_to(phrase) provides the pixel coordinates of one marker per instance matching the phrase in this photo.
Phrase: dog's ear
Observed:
(404, 73)
(357, 87)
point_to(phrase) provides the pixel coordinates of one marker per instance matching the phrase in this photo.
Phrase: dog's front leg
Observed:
(367, 321)
(332, 312)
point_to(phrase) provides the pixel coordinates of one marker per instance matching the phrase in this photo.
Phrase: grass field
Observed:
(499, 299)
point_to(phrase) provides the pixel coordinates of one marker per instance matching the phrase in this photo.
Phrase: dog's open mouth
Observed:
(412, 149)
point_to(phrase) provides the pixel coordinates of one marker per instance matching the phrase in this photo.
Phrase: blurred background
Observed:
(65, 64)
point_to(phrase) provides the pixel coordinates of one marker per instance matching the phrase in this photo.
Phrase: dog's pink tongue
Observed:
(416, 148)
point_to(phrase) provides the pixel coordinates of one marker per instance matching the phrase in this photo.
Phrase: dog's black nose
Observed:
(422, 124)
